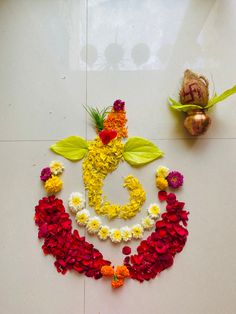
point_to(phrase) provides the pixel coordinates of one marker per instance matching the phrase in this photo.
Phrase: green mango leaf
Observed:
(138, 151)
(73, 148)
(215, 99)
(185, 108)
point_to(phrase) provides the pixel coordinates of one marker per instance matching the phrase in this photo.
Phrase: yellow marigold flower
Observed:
(147, 223)
(94, 225)
(104, 232)
(137, 231)
(162, 171)
(82, 217)
(56, 167)
(115, 235)
(161, 183)
(53, 185)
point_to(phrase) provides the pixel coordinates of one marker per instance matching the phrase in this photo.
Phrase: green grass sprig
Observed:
(98, 116)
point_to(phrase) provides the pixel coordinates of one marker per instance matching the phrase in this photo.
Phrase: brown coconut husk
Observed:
(194, 89)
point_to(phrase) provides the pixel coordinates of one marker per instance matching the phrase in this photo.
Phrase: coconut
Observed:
(194, 89)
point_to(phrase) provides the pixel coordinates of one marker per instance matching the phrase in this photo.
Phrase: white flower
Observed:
(56, 167)
(76, 202)
(154, 211)
(147, 222)
(162, 171)
(94, 224)
(126, 233)
(104, 233)
(115, 235)
(82, 217)
(137, 231)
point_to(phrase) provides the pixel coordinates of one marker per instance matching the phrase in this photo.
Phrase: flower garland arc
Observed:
(73, 252)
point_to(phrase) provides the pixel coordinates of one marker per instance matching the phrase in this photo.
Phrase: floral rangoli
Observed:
(101, 157)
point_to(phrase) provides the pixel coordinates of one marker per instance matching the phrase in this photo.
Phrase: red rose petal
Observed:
(162, 195)
(106, 136)
(126, 250)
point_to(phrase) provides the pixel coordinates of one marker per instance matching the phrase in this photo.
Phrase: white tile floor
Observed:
(56, 56)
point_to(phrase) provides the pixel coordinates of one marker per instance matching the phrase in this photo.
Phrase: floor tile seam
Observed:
(151, 139)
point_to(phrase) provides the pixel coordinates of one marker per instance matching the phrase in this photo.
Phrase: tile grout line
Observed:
(151, 139)
(86, 103)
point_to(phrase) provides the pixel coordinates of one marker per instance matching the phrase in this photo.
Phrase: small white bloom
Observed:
(154, 211)
(137, 231)
(115, 235)
(162, 171)
(56, 167)
(147, 222)
(82, 217)
(94, 224)
(104, 233)
(76, 202)
(126, 233)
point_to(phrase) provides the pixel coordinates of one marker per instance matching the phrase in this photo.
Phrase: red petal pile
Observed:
(157, 252)
(69, 248)
(106, 136)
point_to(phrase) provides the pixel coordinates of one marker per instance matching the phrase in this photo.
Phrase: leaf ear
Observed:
(73, 148)
(138, 151)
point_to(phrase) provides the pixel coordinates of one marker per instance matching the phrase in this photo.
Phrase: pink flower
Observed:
(175, 179)
(119, 105)
(45, 174)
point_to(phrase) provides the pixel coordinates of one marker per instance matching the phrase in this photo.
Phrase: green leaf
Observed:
(215, 99)
(185, 108)
(73, 148)
(139, 151)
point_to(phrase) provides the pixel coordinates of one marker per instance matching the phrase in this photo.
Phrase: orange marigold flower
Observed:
(107, 271)
(116, 120)
(122, 272)
(116, 283)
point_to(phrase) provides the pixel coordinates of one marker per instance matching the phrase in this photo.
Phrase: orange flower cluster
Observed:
(118, 275)
(116, 120)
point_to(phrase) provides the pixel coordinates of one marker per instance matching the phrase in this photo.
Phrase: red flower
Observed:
(106, 136)
(126, 250)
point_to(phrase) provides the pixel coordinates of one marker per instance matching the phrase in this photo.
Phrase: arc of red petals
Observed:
(72, 252)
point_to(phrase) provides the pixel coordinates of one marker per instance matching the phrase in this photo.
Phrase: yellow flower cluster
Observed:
(101, 160)
(53, 185)
(161, 174)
